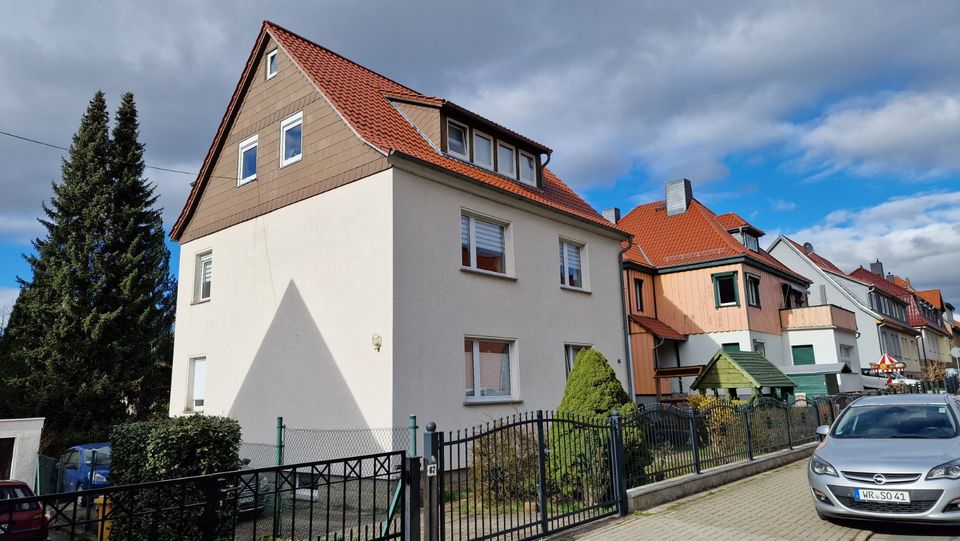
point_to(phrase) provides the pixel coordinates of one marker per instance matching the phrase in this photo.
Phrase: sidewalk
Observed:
(774, 505)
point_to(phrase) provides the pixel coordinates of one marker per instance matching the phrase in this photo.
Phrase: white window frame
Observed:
(584, 274)
(530, 181)
(272, 55)
(507, 243)
(513, 150)
(287, 124)
(493, 149)
(199, 261)
(568, 358)
(466, 139)
(477, 398)
(748, 278)
(190, 405)
(245, 145)
(751, 242)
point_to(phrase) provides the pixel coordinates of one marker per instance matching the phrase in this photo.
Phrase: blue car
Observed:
(84, 467)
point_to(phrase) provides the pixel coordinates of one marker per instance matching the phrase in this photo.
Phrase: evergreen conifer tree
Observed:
(91, 331)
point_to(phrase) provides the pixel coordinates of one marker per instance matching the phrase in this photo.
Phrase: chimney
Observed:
(807, 248)
(877, 268)
(612, 215)
(889, 277)
(679, 194)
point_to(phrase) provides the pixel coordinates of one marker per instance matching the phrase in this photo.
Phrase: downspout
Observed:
(544, 166)
(921, 350)
(623, 312)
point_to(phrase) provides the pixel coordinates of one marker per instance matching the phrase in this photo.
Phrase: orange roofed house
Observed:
(354, 252)
(696, 281)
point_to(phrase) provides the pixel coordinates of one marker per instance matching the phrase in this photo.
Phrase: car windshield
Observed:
(921, 421)
(14, 492)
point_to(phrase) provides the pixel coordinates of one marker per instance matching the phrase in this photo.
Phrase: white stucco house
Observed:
(882, 319)
(19, 445)
(353, 252)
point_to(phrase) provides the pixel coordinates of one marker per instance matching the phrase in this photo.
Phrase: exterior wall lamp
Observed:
(377, 342)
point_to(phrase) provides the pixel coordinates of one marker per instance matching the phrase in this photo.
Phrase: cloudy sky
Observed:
(835, 122)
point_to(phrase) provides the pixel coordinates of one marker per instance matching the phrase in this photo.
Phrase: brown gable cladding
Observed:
(362, 101)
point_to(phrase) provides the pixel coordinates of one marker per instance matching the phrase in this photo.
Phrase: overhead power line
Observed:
(58, 147)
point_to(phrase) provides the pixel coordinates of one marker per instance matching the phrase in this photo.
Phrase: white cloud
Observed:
(781, 205)
(916, 237)
(7, 297)
(909, 133)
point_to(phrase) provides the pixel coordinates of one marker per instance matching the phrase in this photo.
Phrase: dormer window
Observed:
(483, 150)
(506, 160)
(528, 168)
(271, 64)
(751, 242)
(457, 140)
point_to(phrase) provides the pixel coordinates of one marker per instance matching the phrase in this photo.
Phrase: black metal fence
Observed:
(344, 499)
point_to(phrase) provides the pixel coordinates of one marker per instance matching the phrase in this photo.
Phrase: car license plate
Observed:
(871, 495)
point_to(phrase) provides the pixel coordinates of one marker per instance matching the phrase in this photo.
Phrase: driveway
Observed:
(774, 505)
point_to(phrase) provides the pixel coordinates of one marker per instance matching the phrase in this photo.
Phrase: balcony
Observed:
(826, 316)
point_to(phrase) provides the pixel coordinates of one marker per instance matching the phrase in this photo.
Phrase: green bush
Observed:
(169, 449)
(581, 470)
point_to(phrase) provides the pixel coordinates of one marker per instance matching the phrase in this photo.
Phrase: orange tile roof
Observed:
(914, 316)
(361, 96)
(818, 260)
(694, 236)
(933, 296)
(656, 327)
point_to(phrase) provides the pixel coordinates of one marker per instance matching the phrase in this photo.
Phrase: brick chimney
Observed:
(679, 194)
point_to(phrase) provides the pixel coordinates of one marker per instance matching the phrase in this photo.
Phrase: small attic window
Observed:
(271, 64)
(457, 140)
(751, 242)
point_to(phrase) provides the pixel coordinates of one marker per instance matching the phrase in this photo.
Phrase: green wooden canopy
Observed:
(740, 370)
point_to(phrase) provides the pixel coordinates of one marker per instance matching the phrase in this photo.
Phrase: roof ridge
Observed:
(270, 24)
(718, 228)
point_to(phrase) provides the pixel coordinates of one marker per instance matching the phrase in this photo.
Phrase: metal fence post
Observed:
(431, 449)
(211, 502)
(746, 425)
(786, 414)
(619, 478)
(542, 475)
(277, 501)
(411, 498)
(413, 435)
(693, 441)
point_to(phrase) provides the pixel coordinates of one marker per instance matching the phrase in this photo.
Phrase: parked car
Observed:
(254, 496)
(23, 521)
(890, 458)
(84, 467)
(871, 380)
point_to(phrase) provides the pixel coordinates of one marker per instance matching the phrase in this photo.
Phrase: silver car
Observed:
(894, 457)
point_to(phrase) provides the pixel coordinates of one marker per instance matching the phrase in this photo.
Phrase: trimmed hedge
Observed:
(169, 449)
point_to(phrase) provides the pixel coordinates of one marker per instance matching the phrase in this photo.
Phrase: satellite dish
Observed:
(807, 248)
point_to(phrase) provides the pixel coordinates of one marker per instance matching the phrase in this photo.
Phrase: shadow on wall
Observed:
(294, 375)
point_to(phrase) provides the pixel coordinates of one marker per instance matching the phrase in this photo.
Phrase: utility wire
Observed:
(51, 145)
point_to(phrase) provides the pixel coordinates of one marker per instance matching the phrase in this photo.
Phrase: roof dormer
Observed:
(472, 138)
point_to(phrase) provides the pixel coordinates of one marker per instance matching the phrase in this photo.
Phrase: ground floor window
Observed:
(488, 370)
(803, 355)
(197, 387)
(570, 354)
(760, 347)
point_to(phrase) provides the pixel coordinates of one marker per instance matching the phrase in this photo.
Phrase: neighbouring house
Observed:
(354, 251)
(881, 316)
(942, 312)
(696, 282)
(921, 314)
(19, 448)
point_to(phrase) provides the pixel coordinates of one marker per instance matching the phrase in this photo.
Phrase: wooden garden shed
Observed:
(732, 370)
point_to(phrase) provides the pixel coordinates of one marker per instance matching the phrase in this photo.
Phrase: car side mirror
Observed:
(823, 430)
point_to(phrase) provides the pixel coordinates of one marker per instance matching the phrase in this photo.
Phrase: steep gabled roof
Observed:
(912, 300)
(362, 98)
(817, 259)
(750, 369)
(692, 237)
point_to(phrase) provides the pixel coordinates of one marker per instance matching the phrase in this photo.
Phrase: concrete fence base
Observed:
(662, 492)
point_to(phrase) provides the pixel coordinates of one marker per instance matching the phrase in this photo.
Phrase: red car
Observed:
(23, 521)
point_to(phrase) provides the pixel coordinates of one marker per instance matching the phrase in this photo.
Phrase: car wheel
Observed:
(81, 499)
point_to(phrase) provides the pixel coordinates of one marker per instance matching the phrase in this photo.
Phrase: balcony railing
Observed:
(818, 317)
